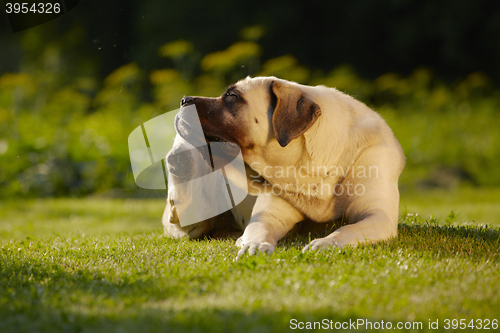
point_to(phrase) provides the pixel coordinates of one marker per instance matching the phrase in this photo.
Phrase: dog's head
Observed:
(255, 114)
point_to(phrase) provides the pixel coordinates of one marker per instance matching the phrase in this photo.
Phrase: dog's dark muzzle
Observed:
(215, 150)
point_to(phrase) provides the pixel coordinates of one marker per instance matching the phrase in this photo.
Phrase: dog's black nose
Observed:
(187, 100)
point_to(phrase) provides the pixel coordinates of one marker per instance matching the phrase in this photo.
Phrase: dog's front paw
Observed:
(252, 247)
(320, 244)
(239, 241)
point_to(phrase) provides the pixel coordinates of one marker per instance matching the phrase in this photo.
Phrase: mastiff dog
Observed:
(311, 153)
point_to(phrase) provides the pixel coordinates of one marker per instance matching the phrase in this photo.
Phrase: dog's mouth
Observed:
(213, 138)
(221, 149)
(221, 142)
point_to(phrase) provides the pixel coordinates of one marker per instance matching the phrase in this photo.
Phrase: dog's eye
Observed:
(231, 94)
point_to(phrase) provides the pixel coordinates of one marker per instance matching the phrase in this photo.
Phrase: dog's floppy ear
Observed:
(294, 113)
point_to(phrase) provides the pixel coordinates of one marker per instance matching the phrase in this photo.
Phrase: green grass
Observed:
(77, 217)
(101, 265)
(469, 204)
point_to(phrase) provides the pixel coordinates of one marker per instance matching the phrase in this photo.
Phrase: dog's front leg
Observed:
(375, 227)
(272, 218)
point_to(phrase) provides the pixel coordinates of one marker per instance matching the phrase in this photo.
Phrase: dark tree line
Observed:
(452, 37)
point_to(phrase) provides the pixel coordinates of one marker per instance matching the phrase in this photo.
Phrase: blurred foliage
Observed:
(62, 135)
(452, 37)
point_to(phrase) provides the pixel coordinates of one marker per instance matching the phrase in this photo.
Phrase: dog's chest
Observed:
(316, 199)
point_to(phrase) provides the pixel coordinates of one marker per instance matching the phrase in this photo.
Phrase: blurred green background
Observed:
(73, 89)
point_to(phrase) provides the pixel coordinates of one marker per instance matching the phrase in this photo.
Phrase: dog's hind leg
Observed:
(371, 201)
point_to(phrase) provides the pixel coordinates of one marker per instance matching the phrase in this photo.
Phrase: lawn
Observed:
(468, 204)
(101, 265)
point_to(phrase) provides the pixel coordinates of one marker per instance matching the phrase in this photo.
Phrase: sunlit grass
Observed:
(99, 265)
(468, 204)
(93, 216)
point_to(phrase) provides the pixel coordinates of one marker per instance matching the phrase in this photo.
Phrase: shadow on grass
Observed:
(46, 319)
(85, 302)
(476, 241)
(43, 296)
